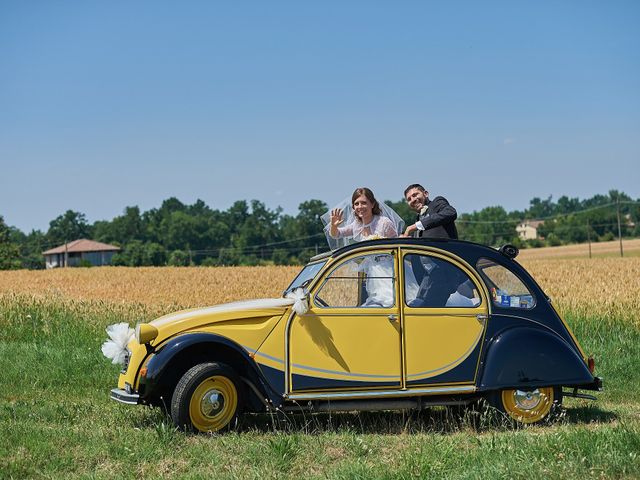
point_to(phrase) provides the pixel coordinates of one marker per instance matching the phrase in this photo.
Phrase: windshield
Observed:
(307, 274)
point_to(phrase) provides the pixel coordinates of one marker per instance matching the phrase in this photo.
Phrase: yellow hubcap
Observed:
(213, 404)
(528, 406)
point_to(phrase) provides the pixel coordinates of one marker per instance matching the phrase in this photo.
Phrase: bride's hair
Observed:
(369, 194)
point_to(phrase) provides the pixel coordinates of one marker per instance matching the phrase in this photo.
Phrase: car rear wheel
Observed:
(528, 406)
(208, 398)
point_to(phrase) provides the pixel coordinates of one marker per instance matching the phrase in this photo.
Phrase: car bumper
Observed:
(595, 385)
(120, 395)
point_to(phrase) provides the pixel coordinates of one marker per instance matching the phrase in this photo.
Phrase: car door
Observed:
(445, 311)
(350, 337)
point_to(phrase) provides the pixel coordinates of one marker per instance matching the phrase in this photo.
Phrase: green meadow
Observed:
(56, 419)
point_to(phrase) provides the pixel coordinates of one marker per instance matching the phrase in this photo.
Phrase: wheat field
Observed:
(630, 247)
(606, 287)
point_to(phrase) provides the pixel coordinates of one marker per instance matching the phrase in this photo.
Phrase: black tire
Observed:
(208, 398)
(540, 405)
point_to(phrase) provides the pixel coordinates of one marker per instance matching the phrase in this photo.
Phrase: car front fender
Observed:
(169, 363)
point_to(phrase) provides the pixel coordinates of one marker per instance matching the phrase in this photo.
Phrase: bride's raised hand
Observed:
(336, 217)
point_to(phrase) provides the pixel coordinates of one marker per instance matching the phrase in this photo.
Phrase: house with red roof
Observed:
(80, 252)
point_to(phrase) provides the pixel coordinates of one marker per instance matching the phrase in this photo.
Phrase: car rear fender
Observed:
(532, 357)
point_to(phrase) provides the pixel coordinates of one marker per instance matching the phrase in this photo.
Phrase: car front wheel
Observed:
(528, 406)
(207, 398)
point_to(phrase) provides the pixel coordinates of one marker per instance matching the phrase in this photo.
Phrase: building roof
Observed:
(82, 245)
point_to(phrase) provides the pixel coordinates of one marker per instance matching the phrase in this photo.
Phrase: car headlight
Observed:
(145, 333)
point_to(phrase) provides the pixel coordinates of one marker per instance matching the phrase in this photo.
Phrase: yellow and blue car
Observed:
(378, 325)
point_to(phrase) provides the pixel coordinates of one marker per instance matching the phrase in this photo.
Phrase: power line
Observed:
(552, 217)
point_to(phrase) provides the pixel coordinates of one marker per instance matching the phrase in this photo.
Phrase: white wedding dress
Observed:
(379, 280)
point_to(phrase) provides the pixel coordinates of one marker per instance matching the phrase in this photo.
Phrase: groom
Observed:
(435, 217)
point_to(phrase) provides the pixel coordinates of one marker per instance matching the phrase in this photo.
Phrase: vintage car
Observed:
(377, 325)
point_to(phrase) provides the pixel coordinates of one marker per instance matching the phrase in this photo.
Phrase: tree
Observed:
(154, 254)
(236, 216)
(122, 229)
(154, 218)
(258, 231)
(302, 232)
(249, 233)
(68, 227)
(132, 255)
(139, 254)
(179, 258)
(539, 209)
(403, 209)
(9, 251)
(491, 226)
(31, 248)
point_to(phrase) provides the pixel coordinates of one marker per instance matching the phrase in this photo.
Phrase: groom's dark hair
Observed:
(412, 186)
(369, 194)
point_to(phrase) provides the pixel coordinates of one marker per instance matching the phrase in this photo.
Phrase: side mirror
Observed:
(300, 299)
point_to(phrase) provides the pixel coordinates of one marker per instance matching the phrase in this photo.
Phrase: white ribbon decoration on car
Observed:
(300, 303)
(115, 349)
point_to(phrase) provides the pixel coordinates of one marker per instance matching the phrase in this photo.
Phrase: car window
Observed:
(305, 276)
(430, 282)
(506, 289)
(364, 281)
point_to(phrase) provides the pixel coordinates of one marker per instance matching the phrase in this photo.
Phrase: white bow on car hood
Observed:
(296, 298)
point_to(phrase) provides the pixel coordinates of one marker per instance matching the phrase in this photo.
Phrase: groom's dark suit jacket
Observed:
(438, 220)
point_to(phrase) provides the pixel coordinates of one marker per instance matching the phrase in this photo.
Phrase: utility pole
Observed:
(66, 254)
(589, 237)
(619, 229)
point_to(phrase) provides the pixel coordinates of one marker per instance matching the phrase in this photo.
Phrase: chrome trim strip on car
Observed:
(256, 352)
(507, 315)
(287, 330)
(322, 370)
(349, 374)
(458, 360)
(413, 313)
(382, 312)
(120, 395)
(385, 393)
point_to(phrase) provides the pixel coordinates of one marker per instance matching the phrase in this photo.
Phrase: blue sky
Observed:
(110, 104)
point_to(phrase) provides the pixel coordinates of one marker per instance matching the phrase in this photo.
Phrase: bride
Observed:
(367, 219)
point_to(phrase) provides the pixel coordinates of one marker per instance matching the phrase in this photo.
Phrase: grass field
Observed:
(56, 419)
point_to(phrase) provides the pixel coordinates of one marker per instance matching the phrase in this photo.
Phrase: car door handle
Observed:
(393, 318)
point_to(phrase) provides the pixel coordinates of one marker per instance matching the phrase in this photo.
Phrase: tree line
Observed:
(250, 233)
